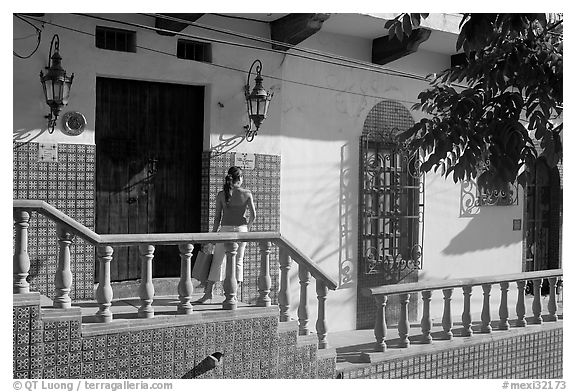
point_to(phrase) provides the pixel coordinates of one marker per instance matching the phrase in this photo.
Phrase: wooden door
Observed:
(148, 166)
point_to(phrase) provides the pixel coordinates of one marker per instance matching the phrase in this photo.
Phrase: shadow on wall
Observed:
(346, 271)
(227, 144)
(482, 233)
(24, 136)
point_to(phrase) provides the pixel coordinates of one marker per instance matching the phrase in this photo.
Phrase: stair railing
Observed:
(68, 228)
(381, 294)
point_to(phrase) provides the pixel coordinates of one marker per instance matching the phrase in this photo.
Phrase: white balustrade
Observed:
(380, 295)
(63, 278)
(264, 279)
(304, 277)
(380, 326)
(537, 302)
(21, 259)
(503, 310)
(104, 292)
(146, 289)
(467, 313)
(447, 315)
(284, 292)
(321, 328)
(403, 324)
(521, 304)
(552, 304)
(185, 287)
(63, 275)
(485, 316)
(426, 322)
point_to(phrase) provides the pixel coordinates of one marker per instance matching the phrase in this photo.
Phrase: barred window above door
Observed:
(391, 207)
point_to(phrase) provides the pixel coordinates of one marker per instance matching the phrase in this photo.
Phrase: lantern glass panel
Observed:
(66, 93)
(253, 107)
(48, 90)
(58, 91)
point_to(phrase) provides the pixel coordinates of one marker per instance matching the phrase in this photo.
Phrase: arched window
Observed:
(391, 197)
(391, 210)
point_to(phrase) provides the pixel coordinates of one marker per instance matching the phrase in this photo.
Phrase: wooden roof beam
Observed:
(295, 28)
(171, 25)
(388, 48)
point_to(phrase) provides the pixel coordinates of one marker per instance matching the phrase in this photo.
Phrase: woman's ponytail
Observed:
(234, 174)
(227, 187)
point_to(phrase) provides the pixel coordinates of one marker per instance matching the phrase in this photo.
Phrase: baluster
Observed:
(552, 304)
(403, 324)
(447, 315)
(466, 314)
(185, 287)
(537, 304)
(485, 317)
(520, 304)
(284, 293)
(230, 284)
(63, 276)
(426, 319)
(304, 277)
(264, 280)
(21, 259)
(321, 329)
(503, 311)
(380, 323)
(146, 289)
(104, 291)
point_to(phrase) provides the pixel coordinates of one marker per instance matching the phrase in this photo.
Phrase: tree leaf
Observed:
(407, 24)
(398, 32)
(511, 73)
(415, 20)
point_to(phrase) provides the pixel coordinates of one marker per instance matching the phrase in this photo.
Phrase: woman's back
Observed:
(234, 212)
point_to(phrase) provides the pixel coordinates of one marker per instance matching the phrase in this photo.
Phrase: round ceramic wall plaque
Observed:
(73, 123)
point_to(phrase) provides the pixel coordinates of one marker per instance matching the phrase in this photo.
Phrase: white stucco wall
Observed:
(320, 160)
(155, 60)
(315, 121)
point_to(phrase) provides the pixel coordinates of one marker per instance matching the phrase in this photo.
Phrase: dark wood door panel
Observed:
(148, 147)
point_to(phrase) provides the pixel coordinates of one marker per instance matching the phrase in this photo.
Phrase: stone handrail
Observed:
(67, 228)
(381, 293)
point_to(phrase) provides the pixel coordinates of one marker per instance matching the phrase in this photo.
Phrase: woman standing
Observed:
(231, 205)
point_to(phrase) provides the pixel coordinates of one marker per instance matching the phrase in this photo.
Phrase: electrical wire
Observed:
(244, 71)
(287, 45)
(39, 39)
(238, 44)
(241, 18)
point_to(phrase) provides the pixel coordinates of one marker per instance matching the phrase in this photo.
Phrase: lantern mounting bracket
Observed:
(56, 83)
(257, 101)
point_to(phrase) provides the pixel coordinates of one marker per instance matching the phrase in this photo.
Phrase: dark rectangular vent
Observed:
(115, 39)
(194, 50)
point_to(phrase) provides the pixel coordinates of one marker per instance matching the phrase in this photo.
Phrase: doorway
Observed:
(149, 139)
(543, 219)
(543, 227)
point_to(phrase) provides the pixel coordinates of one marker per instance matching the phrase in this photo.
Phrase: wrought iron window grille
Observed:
(391, 207)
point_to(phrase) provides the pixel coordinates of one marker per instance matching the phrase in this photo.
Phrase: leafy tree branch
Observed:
(493, 116)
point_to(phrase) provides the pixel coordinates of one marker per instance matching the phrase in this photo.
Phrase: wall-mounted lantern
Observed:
(257, 101)
(56, 84)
